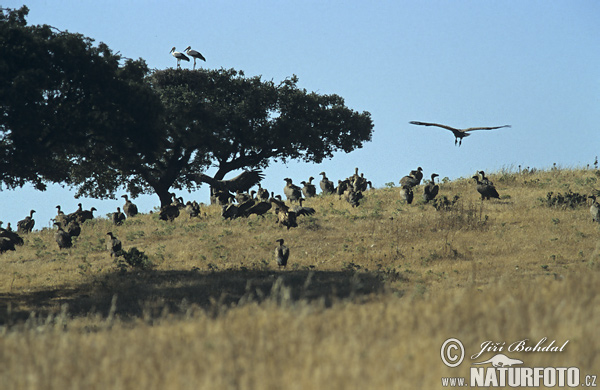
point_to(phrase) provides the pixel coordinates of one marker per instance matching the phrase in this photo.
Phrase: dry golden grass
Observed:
(369, 296)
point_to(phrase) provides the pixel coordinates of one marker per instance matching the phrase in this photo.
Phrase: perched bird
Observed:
(180, 56)
(487, 191)
(262, 193)
(413, 178)
(220, 197)
(61, 217)
(62, 238)
(352, 196)
(129, 208)
(168, 212)
(484, 179)
(406, 193)
(177, 202)
(431, 189)
(292, 191)
(26, 225)
(192, 208)
(113, 245)
(194, 54)
(6, 244)
(342, 187)
(73, 229)
(327, 186)
(360, 183)
(229, 211)
(8, 239)
(282, 254)
(76, 214)
(308, 189)
(85, 215)
(459, 134)
(241, 197)
(595, 209)
(118, 217)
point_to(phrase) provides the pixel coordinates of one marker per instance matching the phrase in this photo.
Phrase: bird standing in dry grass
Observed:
(595, 209)
(282, 253)
(459, 134)
(113, 245)
(486, 190)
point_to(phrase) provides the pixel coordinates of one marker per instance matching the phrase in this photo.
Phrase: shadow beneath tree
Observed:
(147, 294)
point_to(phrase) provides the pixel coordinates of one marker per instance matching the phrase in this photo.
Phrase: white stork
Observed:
(194, 54)
(180, 56)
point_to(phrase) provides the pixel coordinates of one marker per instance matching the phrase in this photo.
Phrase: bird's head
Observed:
(172, 50)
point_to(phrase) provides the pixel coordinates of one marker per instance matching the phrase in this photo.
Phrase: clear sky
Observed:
(532, 64)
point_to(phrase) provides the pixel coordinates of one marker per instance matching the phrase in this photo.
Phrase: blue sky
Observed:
(532, 64)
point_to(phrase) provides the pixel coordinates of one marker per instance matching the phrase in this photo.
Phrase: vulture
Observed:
(8, 239)
(242, 182)
(129, 208)
(595, 209)
(292, 191)
(168, 212)
(459, 134)
(327, 186)
(113, 245)
(303, 210)
(262, 194)
(487, 191)
(118, 217)
(406, 193)
(431, 189)
(259, 208)
(484, 179)
(282, 253)
(62, 238)
(352, 196)
(192, 208)
(26, 225)
(285, 216)
(308, 189)
(413, 178)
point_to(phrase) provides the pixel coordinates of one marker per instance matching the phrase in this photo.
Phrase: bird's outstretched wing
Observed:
(485, 128)
(242, 182)
(434, 124)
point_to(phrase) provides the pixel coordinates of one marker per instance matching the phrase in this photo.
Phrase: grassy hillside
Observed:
(368, 297)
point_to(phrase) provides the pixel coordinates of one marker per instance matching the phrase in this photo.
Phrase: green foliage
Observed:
(73, 113)
(70, 112)
(568, 199)
(133, 258)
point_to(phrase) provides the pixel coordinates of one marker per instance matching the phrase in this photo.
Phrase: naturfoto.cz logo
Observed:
(501, 370)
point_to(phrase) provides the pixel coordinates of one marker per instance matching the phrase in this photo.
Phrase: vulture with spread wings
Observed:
(459, 134)
(242, 182)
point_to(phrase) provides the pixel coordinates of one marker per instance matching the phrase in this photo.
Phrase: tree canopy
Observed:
(77, 114)
(66, 104)
(225, 119)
